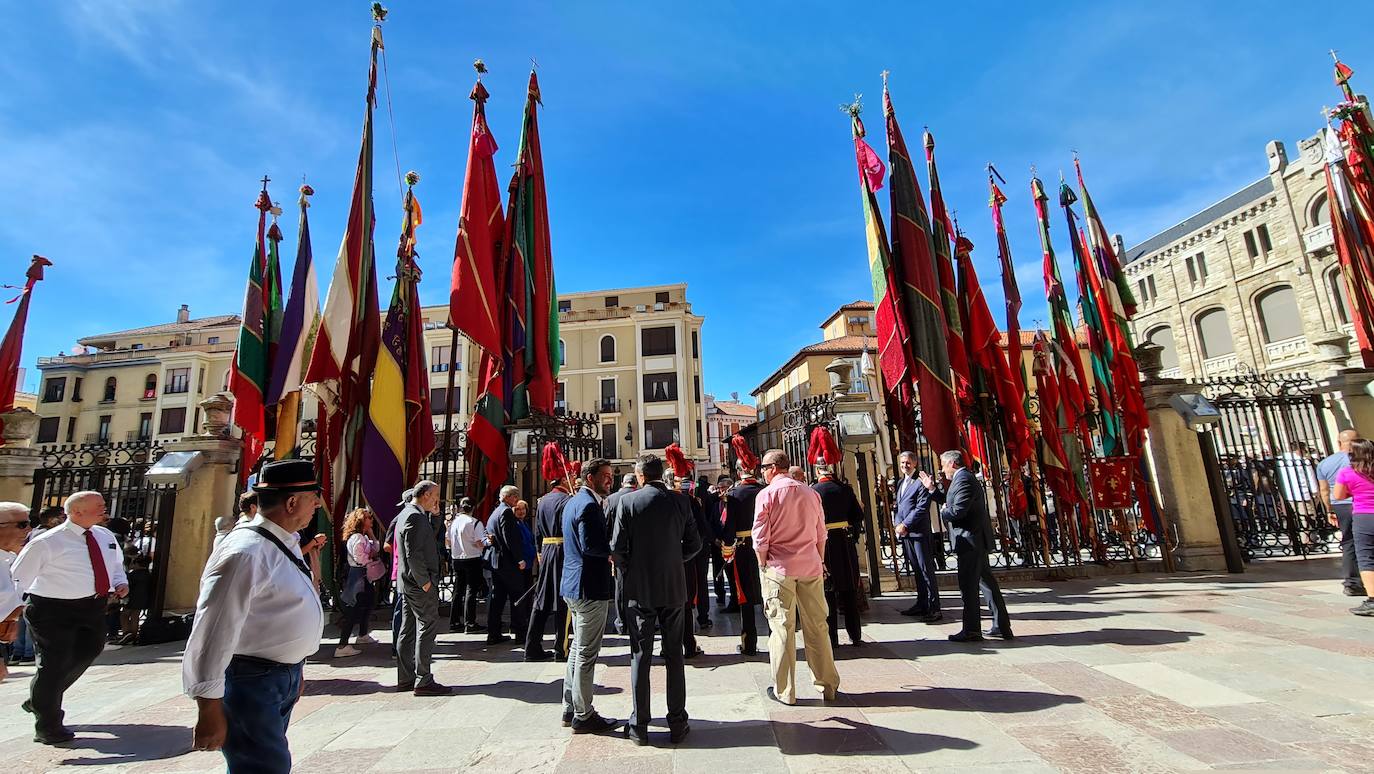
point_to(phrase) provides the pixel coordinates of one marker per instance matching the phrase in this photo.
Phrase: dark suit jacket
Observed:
(507, 545)
(965, 510)
(654, 534)
(913, 506)
(417, 552)
(612, 501)
(586, 548)
(839, 503)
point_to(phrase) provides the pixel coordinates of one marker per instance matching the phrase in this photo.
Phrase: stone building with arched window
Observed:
(1251, 282)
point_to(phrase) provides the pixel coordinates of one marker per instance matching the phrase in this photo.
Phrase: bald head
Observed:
(1343, 440)
(85, 509)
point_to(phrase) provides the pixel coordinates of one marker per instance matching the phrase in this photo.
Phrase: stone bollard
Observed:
(1186, 502)
(209, 492)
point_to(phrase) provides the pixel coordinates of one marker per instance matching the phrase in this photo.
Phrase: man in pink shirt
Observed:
(789, 538)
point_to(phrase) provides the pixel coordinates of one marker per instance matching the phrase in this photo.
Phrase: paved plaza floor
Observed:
(1151, 673)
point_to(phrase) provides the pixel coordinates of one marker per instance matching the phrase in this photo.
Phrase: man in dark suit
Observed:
(738, 531)
(417, 581)
(586, 588)
(966, 512)
(912, 523)
(506, 557)
(654, 534)
(627, 484)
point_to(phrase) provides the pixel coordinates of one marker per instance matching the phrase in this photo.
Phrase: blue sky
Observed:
(699, 143)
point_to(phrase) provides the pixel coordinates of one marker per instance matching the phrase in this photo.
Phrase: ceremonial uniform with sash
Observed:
(737, 528)
(548, 535)
(844, 523)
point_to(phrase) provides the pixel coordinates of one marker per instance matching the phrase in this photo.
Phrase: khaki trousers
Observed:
(783, 598)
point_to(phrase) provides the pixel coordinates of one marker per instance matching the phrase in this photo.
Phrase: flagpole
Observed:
(448, 417)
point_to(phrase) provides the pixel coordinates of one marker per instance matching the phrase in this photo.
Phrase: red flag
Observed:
(1053, 429)
(1354, 240)
(1010, 292)
(1111, 479)
(944, 267)
(919, 295)
(473, 302)
(12, 348)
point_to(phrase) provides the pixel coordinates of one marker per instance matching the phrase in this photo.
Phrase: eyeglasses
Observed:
(20, 524)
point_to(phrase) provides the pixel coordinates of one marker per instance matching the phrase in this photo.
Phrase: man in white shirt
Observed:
(466, 541)
(69, 573)
(14, 528)
(257, 619)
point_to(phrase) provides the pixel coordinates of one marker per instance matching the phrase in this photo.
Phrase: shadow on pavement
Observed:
(834, 735)
(129, 743)
(960, 699)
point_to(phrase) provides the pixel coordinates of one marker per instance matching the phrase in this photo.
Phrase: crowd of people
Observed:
(641, 561)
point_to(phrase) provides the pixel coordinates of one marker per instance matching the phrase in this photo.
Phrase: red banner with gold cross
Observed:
(1111, 481)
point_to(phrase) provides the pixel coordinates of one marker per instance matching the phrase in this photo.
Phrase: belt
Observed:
(263, 662)
(745, 533)
(837, 525)
(553, 541)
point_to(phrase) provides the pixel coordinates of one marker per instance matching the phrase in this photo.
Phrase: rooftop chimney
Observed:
(184, 314)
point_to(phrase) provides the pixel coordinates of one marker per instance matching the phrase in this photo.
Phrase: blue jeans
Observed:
(23, 646)
(258, 698)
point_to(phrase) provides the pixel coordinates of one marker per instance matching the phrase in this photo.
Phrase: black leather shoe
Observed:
(433, 689)
(931, 618)
(1004, 634)
(567, 719)
(1353, 591)
(27, 706)
(474, 629)
(57, 736)
(541, 655)
(914, 611)
(639, 736)
(678, 734)
(704, 624)
(492, 639)
(966, 637)
(859, 643)
(740, 649)
(693, 653)
(593, 725)
(732, 608)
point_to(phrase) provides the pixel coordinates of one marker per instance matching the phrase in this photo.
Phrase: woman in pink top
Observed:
(1357, 482)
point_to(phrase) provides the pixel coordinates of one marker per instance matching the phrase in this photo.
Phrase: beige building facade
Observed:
(724, 418)
(630, 355)
(1249, 283)
(143, 384)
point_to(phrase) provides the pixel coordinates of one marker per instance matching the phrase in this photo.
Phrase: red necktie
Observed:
(102, 576)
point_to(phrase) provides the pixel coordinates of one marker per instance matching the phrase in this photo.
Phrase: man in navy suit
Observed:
(586, 587)
(966, 512)
(913, 527)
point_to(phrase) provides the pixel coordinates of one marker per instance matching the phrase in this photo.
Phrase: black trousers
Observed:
(467, 586)
(920, 554)
(1350, 569)
(976, 579)
(718, 573)
(849, 600)
(357, 615)
(703, 601)
(68, 635)
(641, 622)
(539, 618)
(749, 627)
(507, 587)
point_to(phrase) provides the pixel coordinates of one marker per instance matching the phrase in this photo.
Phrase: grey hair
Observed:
(508, 490)
(222, 523)
(417, 491)
(650, 467)
(76, 497)
(13, 507)
(952, 457)
(907, 454)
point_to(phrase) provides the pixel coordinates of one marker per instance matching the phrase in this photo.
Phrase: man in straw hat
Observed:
(257, 619)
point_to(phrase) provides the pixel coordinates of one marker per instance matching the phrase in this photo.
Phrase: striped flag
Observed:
(473, 305)
(250, 370)
(944, 268)
(399, 433)
(299, 319)
(535, 321)
(1100, 349)
(1072, 382)
(918, 299)
(345, 350)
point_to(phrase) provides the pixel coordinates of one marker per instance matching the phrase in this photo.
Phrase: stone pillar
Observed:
(1348, 399)
(18, 460)
(1185, 496)
(209, 492)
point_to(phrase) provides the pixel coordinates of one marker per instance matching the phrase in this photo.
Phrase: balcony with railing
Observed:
(1318, 238)
(610, 405)
(1221, 365)
(1285, 350)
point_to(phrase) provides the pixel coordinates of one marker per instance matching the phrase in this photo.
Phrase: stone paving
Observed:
(1264, 670)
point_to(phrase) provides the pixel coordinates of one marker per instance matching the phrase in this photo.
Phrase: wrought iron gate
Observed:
(1269, 440)
(140, 513)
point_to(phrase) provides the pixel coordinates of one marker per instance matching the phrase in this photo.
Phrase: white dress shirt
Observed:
(57, 564)
(254, 601)
(463, 533)
(10, 597)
